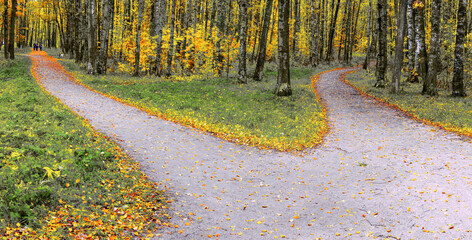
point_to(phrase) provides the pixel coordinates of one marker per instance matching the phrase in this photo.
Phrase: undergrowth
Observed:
(59, 178)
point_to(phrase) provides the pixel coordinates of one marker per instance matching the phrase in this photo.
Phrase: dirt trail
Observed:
(378, 174)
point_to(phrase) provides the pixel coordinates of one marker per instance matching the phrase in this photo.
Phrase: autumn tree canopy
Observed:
(209, 38)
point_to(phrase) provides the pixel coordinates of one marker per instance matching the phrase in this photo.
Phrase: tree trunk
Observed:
(348, 31)
(107, 12)
(296, 27)
(283, 78)
(242, 40)
(421, 64)
(92, 39)
(314, 26)
(160, 11)
(332, 30)
(137, 50)
(11, 40)
(5, 29)
(430, 83)
(322, 29)
(220, 25)
(369, 38)
(401, 20)
(170, 54)
(413, 77)
(261, 56)
(458, 89)
(382, 38)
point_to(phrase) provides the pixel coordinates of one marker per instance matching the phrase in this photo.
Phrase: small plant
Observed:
(362, 164)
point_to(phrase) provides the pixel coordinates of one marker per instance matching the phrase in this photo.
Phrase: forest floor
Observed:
(378, 174)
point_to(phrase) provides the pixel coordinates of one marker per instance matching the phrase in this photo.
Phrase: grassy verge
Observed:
(59, 178)
(247, 114)
(453, 114)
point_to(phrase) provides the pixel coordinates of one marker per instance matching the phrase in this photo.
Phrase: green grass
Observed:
(58, 177)
(451, 113)
(250, 114)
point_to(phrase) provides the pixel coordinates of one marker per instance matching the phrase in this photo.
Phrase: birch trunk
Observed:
(413, 77)
(397, 73)
(382, 38)
(137, 50)
(160, 12)
(261, 56)
(430, 83)
(106, 24)
(458, 89)
(242, 41)
(92, 39)
(283, 78)
(421, 63)
(170, 54)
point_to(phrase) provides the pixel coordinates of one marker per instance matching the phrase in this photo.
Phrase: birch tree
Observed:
(382, 44)
(283, 78)
(242, 41)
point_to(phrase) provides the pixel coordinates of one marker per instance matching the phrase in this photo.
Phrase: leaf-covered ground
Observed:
(377, 175)
(59, 178)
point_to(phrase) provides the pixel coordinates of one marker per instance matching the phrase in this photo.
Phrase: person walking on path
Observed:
(40, 47)
(35, 47)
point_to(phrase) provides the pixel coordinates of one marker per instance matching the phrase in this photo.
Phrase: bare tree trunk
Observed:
(170, 55)
(160, 11)
(137, 50)
(296, 28)
(401, 20)
(430, 83)
(322, 29)
(369, 38)
(92, 39)
(332, 30)
(11, 40)
(413, 77)
(221, 16)
(283, 78)
(314, 26)
(458, 89)
(421, 64)
(5, 29)
(348, 31)
(106, 24)
(261, 56)
(382, 38)
(242, 40)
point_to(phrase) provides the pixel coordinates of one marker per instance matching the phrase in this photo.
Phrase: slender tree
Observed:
(413, 77)
(332, 30)
(160, 22)
(137, 50)
(369, 37)
(261, 56)
(92, 39)
(242, 40)
(11, 38)
(458, 89)
(170, 55)
(421, 63)
(398, 65)
(382, 44)
(283, 78)
(430, 83)
(5, 29)
(106, 25)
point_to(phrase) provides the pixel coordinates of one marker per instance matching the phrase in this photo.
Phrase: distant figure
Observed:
(40, 47)
(35, 47)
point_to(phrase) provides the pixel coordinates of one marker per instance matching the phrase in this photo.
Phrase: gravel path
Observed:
(378, 174)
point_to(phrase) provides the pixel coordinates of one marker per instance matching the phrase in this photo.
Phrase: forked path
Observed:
(378, 174)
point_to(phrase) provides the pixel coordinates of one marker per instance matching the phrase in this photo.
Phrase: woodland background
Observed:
(197, 39)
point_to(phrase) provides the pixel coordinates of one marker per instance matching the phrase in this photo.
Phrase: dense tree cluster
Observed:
(217, 37)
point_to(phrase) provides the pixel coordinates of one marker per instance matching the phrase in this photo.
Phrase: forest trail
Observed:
(378, 173)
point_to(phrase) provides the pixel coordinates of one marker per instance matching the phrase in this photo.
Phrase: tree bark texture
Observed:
(421, 63)
(382, 44)
(332, 30)
(369, 38)
(261, 56)
(398, 62)
(137, 50)
(92, 39)
(458, 89)
(11, 38)
(242, 41)
(170, 54)
(107, 12)
(413, 77)
(5, 30)
(430, 83)
(160, 13)
(283, 78)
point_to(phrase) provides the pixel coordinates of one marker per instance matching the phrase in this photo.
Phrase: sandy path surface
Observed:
(378, 174)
